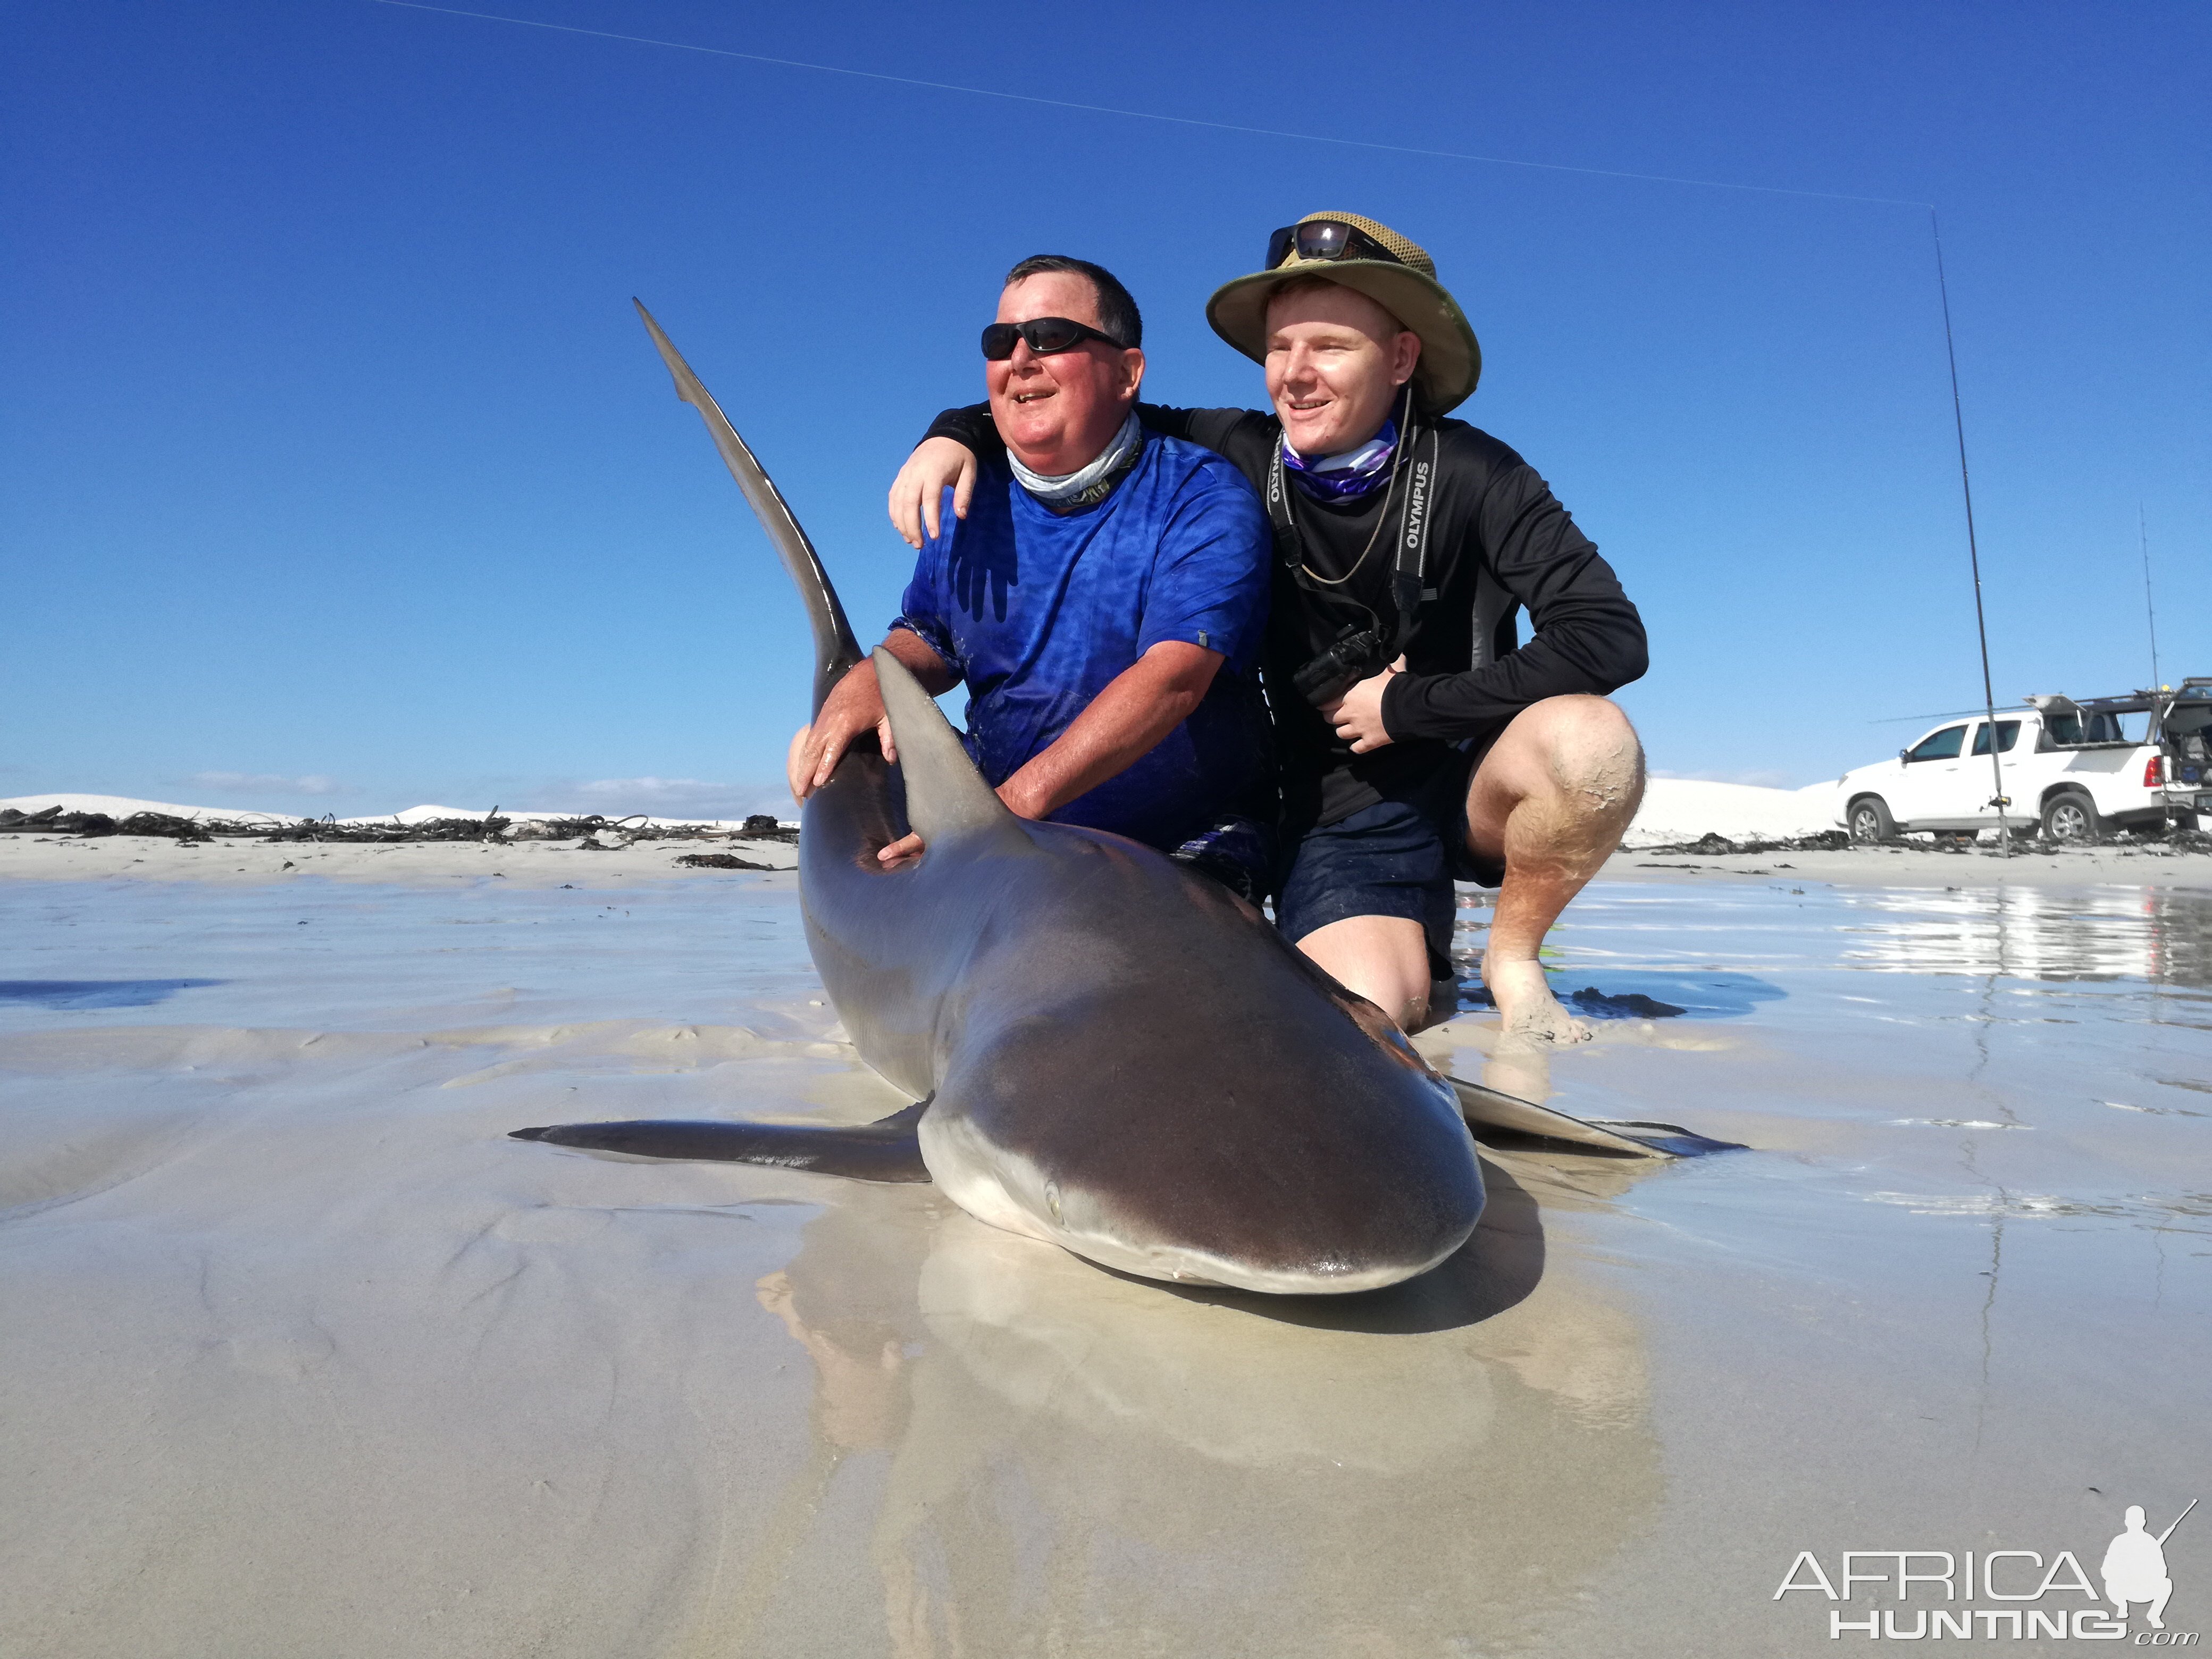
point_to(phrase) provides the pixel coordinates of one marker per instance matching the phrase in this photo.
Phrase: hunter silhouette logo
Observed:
(2134, 1567)
(2134, 1572)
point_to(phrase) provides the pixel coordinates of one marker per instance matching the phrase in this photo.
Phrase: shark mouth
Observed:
(1008, 1191)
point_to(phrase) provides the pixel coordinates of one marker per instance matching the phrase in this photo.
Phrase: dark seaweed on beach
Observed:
(1605, 1004)
(1714, 845)
(720, 861)
(54, 820)
(1625, 1005)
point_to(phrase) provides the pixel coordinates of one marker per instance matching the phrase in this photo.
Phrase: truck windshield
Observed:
(2007, 734)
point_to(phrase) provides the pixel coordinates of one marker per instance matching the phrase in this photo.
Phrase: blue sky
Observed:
(337, 475)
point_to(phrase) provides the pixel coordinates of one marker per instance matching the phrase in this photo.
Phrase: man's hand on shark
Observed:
(855, 707)
(816, 748)
(1020, 801)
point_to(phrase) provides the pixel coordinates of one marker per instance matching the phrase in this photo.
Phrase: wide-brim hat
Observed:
(1451, 357)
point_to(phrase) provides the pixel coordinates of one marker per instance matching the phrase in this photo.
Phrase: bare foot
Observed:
(1526, 1003)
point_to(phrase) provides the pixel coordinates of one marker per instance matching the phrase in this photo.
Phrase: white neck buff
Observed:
(1070, 488)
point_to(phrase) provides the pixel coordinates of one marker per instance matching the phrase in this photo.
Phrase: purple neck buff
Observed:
(1341, 477)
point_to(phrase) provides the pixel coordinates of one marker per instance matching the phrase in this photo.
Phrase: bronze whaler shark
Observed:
(1108, 1051)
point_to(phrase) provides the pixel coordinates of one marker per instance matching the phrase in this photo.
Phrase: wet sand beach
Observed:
(302, 1355)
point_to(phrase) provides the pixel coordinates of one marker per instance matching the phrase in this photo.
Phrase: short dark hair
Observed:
(1117, 311)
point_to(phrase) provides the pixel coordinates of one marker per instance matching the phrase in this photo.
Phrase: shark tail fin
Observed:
(886, 1150)
(835, 650)
(946, 799)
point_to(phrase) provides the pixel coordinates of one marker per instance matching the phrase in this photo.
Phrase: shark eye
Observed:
(1052, 1198)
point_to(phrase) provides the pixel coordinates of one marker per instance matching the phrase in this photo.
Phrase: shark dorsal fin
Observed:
(946, 799)
(835, 651)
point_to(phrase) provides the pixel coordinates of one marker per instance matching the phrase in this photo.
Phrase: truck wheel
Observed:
(1871, 819)
(2070, 816)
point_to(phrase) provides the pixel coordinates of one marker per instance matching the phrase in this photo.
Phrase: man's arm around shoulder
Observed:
(958, 439)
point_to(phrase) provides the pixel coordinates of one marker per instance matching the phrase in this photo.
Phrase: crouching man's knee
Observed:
(1592, 754)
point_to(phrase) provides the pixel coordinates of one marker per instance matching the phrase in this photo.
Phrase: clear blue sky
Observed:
(337, 473)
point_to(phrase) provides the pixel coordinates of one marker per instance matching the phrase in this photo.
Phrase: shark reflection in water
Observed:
(1078, 1463)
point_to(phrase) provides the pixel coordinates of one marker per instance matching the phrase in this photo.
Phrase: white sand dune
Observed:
(1683, 809)
(123, 807)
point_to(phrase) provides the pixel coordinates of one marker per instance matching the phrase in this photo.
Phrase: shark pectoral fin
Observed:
(1491, 1108)
(886, 1151)
(946, 799)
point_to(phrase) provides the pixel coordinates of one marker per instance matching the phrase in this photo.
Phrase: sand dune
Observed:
(1683, 809)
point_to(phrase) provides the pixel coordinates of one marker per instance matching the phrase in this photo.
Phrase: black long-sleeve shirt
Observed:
(1499, 541)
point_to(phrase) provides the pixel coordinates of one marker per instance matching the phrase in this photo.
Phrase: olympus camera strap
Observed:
(1410, 564)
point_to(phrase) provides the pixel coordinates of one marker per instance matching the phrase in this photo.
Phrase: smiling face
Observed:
(1056, 413)
(1335, 361)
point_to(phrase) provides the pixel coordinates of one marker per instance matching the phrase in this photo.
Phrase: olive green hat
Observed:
(1405, 285)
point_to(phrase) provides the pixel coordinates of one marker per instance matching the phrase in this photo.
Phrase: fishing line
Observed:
(1145, 115)
(1973, 552)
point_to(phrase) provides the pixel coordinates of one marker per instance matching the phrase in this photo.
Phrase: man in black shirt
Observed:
(1420, 741)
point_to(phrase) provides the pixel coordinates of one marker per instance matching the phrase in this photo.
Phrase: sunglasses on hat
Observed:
(1045, 335)
(1326, 238)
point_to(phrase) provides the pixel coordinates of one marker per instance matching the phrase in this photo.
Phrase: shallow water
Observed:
(302, 1355)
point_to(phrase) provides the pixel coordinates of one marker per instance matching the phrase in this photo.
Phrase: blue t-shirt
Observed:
(1038, 612)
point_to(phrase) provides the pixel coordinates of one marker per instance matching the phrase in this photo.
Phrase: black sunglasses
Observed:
(1045, 335)
(1326, 238)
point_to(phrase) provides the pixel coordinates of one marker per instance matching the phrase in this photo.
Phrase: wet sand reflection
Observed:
(2147, 933)
(1080, 1462)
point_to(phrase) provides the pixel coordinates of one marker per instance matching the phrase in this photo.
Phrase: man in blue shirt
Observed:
(1103, 599)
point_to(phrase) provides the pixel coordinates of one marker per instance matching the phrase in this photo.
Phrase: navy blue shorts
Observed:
(1397, 858)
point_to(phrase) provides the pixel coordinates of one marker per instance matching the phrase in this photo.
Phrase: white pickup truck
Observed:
(2078, 769)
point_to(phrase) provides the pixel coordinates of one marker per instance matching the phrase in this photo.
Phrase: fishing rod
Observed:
(1941, 714)
(2142, 530)
(2177, 1520)
(1973, 552)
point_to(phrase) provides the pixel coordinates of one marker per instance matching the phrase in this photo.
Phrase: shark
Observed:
(1106, 1050)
